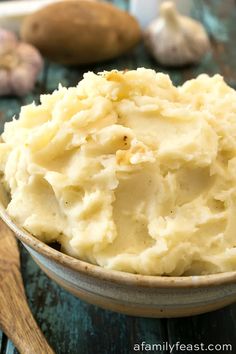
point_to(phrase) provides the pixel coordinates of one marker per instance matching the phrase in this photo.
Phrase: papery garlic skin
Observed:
(30, 57)
(8, 41)
(20, 64)
(176, 40)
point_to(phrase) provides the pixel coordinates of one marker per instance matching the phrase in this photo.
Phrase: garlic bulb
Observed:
(176, 40)
(20, 64)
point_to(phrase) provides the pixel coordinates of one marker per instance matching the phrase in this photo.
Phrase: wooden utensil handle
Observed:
(16, 319)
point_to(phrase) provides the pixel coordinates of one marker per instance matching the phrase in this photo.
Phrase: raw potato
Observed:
(81, 32)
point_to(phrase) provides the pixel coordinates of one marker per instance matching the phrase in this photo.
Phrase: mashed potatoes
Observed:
(129, 172)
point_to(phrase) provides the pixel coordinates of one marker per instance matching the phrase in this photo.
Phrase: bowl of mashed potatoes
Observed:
(135, 180)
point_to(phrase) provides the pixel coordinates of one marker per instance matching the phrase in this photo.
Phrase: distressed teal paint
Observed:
(1, 335)
(9, 107)
(10, 349)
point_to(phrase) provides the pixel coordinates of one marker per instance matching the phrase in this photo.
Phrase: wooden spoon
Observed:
(16, 320)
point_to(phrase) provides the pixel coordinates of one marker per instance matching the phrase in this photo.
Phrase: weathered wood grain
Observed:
(16, 319)
(219, 18)
(213, 328)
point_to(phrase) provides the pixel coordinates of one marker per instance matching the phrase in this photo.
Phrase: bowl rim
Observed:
(110, 275)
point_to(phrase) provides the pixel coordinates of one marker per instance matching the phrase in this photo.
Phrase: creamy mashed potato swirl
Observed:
(129, 172)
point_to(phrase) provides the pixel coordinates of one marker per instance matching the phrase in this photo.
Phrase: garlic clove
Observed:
(8, 41)
(20, 64)
(30, 56)
(169, 12)
(5, 88)
(176, 40)
(22, 80)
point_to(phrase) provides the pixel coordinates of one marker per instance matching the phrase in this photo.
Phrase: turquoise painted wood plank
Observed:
(152, 331)
(58, 74)
(1, 335)
(216, 327)
(9, 107)
(3, 343)
(211, 11)
(122, 4)
(219, 17)
(213, 328)
(10, 348)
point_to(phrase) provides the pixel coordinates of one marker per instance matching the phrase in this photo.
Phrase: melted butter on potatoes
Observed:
(129, 172)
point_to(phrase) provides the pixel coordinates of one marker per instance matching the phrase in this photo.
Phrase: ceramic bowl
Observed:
(132, 294)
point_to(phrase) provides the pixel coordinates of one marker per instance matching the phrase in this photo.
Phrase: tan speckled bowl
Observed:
(138, 295)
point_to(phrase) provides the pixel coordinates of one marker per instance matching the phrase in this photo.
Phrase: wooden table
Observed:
(73, 326)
